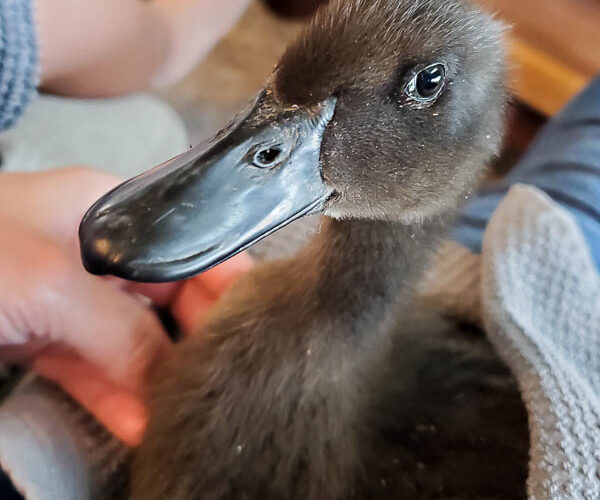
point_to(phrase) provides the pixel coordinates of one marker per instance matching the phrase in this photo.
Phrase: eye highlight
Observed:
(426, 85)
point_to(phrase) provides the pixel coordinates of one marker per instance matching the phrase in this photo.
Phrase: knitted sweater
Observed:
(19, 59)
(536, 291)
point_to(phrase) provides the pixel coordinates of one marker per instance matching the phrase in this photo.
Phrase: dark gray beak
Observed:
(204, 206)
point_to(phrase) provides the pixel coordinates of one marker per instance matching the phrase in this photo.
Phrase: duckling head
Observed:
(382, 109)
(420, 92)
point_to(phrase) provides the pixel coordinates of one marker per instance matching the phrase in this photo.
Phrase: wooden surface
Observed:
(555, 47)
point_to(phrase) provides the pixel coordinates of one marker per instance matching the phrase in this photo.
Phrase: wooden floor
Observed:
(555, 48)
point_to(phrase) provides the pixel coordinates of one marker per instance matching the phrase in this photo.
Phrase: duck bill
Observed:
(206, 205)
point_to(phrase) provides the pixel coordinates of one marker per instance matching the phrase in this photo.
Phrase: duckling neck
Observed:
(274, 391)
(339, 300)
(363, 271)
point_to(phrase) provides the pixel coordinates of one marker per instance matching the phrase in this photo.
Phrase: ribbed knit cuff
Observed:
(19, 60)
(52, 449)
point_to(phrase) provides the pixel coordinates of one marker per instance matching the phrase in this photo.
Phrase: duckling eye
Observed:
(427, 84)
(267, 157)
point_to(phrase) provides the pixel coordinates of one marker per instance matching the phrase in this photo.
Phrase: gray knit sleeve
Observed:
(19, 61)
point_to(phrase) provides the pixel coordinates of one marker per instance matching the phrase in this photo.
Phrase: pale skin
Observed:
(96, 336)
(110, 47)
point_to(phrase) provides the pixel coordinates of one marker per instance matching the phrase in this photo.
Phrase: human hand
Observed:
(94, 336)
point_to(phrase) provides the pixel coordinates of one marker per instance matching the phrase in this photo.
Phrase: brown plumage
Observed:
(292, 390)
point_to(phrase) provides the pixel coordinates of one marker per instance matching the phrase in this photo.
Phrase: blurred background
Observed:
(554, 47)
(554, 52)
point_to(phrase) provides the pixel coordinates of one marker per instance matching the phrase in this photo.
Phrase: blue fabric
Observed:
(19, 62)
(563, 161)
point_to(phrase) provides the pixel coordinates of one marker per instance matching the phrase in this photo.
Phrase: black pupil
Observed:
(430, 80)
(267, 156)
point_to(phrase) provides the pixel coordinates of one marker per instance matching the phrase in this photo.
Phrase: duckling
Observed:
(381, 117)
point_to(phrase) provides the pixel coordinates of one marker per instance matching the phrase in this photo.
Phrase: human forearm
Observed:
(98, 48)
(108, 47)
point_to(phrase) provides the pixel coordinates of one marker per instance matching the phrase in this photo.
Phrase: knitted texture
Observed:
(19, 62)
(541, 308)
(538, 293)
(52, 449)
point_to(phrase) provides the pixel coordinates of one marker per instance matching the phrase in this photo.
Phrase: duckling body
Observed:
(348, 410)
(448, 417)
(272, 347)
(381, 117)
